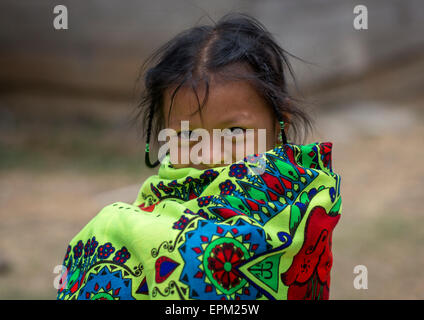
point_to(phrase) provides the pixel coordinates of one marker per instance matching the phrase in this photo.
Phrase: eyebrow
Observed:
(241, 119)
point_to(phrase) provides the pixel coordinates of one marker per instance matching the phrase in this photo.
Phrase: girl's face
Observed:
(232, 105)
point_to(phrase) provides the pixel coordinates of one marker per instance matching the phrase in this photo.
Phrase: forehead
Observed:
(227, 102)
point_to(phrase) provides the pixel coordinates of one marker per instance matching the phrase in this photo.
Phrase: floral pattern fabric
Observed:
(228, 233)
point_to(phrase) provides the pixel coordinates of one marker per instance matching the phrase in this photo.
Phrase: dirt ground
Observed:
(49, 192)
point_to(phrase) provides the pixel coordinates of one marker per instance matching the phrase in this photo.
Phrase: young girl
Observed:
(208, 229)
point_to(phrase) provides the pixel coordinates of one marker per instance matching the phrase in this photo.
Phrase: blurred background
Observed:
(67, 147)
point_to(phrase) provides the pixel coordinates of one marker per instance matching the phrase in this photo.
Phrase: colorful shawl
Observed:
(224, 233)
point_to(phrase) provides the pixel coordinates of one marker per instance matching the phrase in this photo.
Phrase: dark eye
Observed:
(237, 130)
(185, 134)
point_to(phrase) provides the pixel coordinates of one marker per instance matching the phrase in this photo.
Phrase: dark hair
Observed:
(237, 42)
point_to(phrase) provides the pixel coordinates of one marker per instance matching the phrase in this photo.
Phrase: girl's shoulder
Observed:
(110, 222)
(101, 259)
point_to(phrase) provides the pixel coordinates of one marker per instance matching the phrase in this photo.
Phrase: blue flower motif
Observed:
(105, 250)
(87, 248)
(238, 170)
(68, 250)
(181, 223)
(209, 174)
(78, 249)
(93, 246)
(204, 201)
(122, 255)
(188, 180)
(164, 188)
(227, 187)
(200, 213)
(174, 184)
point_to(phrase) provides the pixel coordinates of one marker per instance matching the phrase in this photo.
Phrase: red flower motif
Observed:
(309, 275)
(223, 262)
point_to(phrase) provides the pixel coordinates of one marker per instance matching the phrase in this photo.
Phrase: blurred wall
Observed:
(101, 52)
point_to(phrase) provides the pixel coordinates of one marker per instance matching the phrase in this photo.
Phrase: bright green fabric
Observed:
(230, 232)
